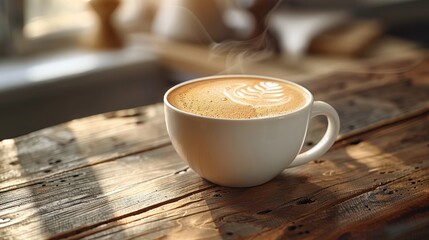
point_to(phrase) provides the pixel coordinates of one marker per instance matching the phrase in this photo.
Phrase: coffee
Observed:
(238, 98)
(222, 127)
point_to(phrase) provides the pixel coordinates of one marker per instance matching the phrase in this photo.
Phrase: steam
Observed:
(239, 54)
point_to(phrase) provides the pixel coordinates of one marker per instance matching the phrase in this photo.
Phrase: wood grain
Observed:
(116, 175)
(366, 101)
(80, 143)
(365, 181)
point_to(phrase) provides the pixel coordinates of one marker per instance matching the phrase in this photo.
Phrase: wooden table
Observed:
(116, 175)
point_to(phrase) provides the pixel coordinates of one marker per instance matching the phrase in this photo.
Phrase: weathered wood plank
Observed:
(369, 182)
(366, 101)
(359, 180)
(363, 101)
(361, 212)
(86, 196)
(148, 195)
(35, 170)
(81, 143)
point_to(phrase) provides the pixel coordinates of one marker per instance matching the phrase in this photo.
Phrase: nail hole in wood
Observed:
(355, 142)
(4, 220)
(47, 171)
(14, 163)
(229, 233)
(264, 212)
(305, 201)
(291, 228)
(181, 171)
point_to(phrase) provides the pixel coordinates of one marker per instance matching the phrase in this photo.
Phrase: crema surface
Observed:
(238, 98)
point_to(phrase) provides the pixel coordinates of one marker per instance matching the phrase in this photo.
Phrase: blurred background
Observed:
(61, 60)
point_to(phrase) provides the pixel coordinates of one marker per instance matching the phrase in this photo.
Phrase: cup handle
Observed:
(321, 108)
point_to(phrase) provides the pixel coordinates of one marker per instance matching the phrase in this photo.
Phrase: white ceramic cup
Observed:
(247, 152)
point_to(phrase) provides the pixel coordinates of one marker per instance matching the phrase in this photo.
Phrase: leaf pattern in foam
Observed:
(261, 94)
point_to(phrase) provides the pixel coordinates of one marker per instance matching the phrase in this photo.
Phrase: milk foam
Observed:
(238, 98)
(257, 95)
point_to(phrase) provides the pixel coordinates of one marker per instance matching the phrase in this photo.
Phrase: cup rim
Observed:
(310, 97)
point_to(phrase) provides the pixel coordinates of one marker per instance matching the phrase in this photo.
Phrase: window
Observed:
(34, 25)
(48, 17)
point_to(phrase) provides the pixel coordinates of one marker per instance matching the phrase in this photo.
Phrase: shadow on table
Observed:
(245, 212)
(396, 153)
(68, 203)
(298, 201)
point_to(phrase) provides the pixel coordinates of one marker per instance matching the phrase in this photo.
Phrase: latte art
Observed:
(261, 94)
(238, 98)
